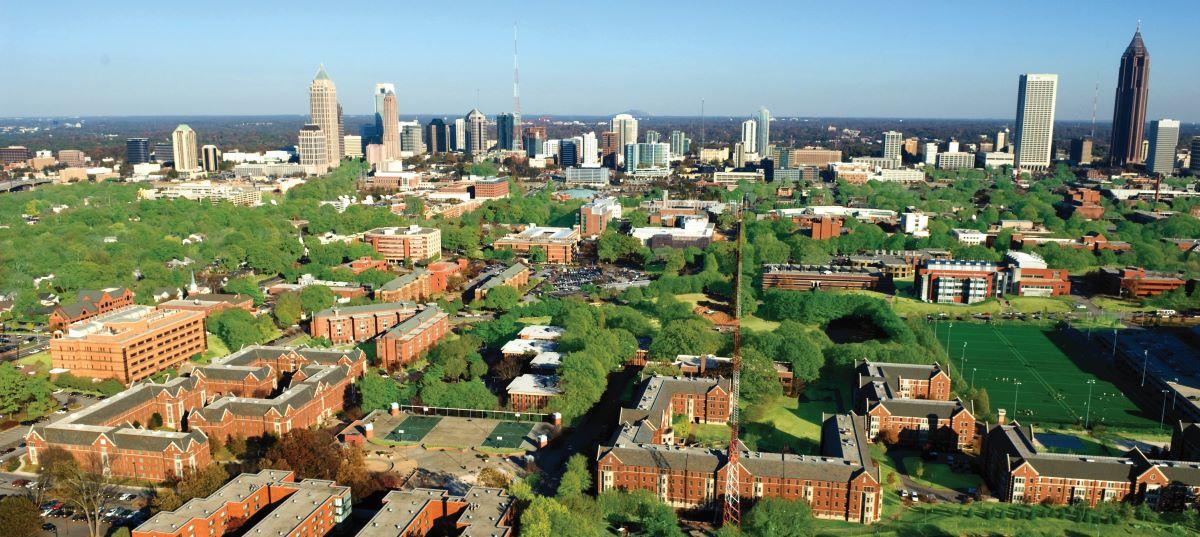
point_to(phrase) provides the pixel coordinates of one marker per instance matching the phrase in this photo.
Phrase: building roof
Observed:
(541, 332)
(485, 514)
(548, 360)
(942, 410)
(498, 279)
(534, 385)
(527, 346)
(406, 327)
(366, 309)
(405, 279)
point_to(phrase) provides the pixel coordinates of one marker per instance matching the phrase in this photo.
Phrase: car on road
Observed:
(49, 527)
(127, 497)
(904, 494)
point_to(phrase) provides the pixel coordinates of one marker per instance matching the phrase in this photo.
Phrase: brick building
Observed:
(420, 512)
(1136, 282)
(1028, 275)
(559, 243)
(595, 216)
(231, 397)
(1185, 441)
(416, 286)
(407, 340)
(365, 263)
(490, 189)
(359, 323)
(129, 344)
(89, 304)
(911, 403)
(1018, 473)
(953, 281)
(824, 277)
(530, 392)
(441, 272)
(515, 276)
(210, 302)
(413, 243)
(270, 502)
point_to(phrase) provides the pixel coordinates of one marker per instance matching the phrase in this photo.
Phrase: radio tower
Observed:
(732, 513)
(1095, 98)
(517, 138)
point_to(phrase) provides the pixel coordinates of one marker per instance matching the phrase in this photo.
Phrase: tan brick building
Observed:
(516, 276)
(89, 304)
(559, 243)
(412, 337)
(359, 323)
(413, 243)
(129, 344)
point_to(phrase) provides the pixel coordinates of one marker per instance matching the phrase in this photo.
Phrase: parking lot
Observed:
(127, 508)
(570, 280)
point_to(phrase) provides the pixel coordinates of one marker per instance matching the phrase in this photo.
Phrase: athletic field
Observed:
(507, 435)
(413, 428)
(1053, 388)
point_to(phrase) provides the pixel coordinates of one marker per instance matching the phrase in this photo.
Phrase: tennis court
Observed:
(413, 428)
(1025, 363)
(507, 435)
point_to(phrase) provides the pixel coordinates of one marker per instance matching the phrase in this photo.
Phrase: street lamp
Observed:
(1114, 342)
(948, 327)
(962, 361)
(973, 369)
(1163, 416)
(1174, 392)
(1016, 390)
(1088, 413)
(1145, 361)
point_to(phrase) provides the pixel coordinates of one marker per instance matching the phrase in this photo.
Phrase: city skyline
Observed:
(948, 74)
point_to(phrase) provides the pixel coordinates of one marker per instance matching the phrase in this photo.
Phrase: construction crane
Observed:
(731, 514)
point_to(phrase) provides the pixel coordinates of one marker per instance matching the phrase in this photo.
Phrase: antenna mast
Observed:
(702, 123)
(732, 512)
(517, 138)
(1095, 97)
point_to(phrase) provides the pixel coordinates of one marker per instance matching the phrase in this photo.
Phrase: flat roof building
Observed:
(130, 343)
(413, 243)
(559, 243)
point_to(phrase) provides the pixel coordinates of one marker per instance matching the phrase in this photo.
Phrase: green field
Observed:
(940, 475)
(413, 429)
(794, 425)
(507, 435)
(1053, 388)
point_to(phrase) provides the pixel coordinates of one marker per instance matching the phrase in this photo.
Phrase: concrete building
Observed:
(515, 276)
(1164, 137)
(210, 158)
(960, 282)
(824, 277)
(1034, 141)
(762, 138)
(352, 145)
(476, 133)
(137, 150)
(409, 339)
(1129, 106)
(206, 190)
(73, 158)
(129, 344)
(750, 135)
(183, 145)
(591, 177)
(312, 144)
(915, 223)
(969, 237)
(644, 157)
(1081, 151)
(559, 243)
(595, 215)
(413, 243)
(324, 112)
(625, 128)
(164, 153)
(679, 143)
(688, 231)
(891, 145)
(390, 135)
(353, 324)
(993, 159)
(955, 160)
(437, 136)
(1194, 164)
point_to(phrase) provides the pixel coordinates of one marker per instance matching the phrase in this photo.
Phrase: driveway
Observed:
(907, 483)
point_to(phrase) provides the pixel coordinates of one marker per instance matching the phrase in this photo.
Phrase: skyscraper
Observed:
(749, 135)
(137, 150)
(164, 153)
(323, 111)
(891, 144)
(411, 140)
(568, 153)
(1164, 136)
(390, 118)
(1129, 108)
(652, 137)
(1002, 140)
(626, 128)
(459, 134)
(763, 118)
(210, 157)
(183, 145)
(1081, 151)
(505, 135)
(437, 136)
(476, 124)
(534, 137)
(678, 144)
(1034, 140)
(312, 147)
(589, 152)
(381, 91)
(1194, 165)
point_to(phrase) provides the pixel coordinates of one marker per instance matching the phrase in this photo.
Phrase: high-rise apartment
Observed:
(183, 142)
(1081, 151)
(410, 138)
(626, 128)
(1164, 136)
(589, 152)
(652, 137)
(312, 148)
(476, 125)
(678, 143)
(1034, 141)
(137, 150)
(763, 136)
(458, 133)
(749, 135)
(1002, 140)
(505, 135)
(323, 111)
(568, 153)
(437, 136)
(73, 158)
(1194, 165)
(535, 136)
(391, 127)
(210, 158)
(381, 90)
(1129, 108)
(891, 144)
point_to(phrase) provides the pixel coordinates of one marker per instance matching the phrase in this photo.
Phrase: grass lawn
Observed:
(940, 475)
(749, 322)
(979, 519)
(710, 434)
(794, 425)
(1035, 304)
(1118, 304)
(216, 348)
(905, 306)
(534, 320)
(37, 359)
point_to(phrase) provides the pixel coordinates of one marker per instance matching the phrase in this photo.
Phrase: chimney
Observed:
(369, 431)
(557, 419)
(542, 441)
(395, 411)
(1000, 416)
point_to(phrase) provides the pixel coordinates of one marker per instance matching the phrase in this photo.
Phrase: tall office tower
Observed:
(437, 136)
(1034, 138)
(749, 135)
(1081, 151)
(739, 153)
(476, 124)
(652, 137)
(505, 135)
(1129, 110)
(1002, 140)
(626, 128)
(534, 137)
(609, 148)
(891, 144)
(678, 140)
(763, 136)
(381, 91)
(164, 153)
(568, 153)
(459, 133)
(137, 150)
(410, 138)
(210, 158)
(323, 111)
(390, 118)
(183, 142)
(930, 150)
(1194, 155)
(1164, 137)
(353, 146)
(312, 146)
(341, 132)
(589, 152)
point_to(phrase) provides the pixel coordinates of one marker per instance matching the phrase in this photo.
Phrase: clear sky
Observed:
(921, 58)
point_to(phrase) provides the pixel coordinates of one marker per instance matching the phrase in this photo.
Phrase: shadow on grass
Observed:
(764, 437)
(1091, 359)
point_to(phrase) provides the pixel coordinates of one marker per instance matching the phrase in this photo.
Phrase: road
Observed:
(13, 437)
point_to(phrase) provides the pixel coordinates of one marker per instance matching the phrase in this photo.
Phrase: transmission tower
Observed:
(518, 139)
(732, 512)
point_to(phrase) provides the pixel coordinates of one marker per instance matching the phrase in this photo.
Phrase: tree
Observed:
(576, 479)
(155, 421)
(287, 310)
(919, 470)
(19, 517)
(315, 298)
(690, 336)
(245, 285)
(537, 254)
(502, 298)
(491, 477)
(776, 517)
(983, 403)
(311, 453)
(378, 393)
(88, 490)
(236, 327)
(21, 392)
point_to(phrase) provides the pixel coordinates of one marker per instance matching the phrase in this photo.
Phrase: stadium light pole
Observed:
(1016, 390)
(1163, 416)
(1088, 413)
(1145, 362)
(1114, 342)
(973, 369)
(948, 327)
(1173, 394)
(962, 360)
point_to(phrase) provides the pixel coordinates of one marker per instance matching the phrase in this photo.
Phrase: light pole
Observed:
(948, 327)
(1016, 390)
(973, 369)
(1145, 361)
(1163, 416)
(962, 360)
(1114, 342)
(1088, 413)
(1174, 392)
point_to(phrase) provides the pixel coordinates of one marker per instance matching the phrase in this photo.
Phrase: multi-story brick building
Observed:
(365, 263)
(881, 380)
(595, 215)
(129, 344)
(89, 304)
(416, 286)
(490, 189)
(407, 340)
(359, 323)
(953, 281)
(529, 392)
(270, 502)
(209, 302)
(413, 243)
(515, 276)
(1028, 275)
(231, 397)
(824, 277)
(1138, 282)
(1017, 472)
(559, 243)
(421, 512)
(441, 272)
(697, 399)
(1185, 441)
(910, 404)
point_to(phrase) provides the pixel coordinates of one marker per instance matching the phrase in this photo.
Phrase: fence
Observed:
(502, 415)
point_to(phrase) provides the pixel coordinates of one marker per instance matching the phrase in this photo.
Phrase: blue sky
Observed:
(832, 58)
